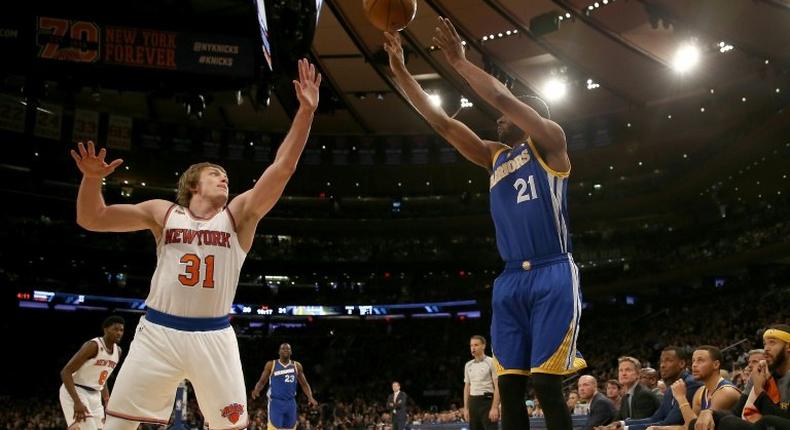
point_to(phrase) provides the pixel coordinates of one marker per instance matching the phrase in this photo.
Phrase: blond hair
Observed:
(189, 180)
(637, 364)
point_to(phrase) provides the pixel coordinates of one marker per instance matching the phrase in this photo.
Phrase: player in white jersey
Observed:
(201, 244)
(84, 391)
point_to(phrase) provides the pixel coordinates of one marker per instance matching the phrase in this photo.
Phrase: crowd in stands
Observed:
(390, 268)
(350, 363)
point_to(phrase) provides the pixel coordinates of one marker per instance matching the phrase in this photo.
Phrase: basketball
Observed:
(390, 15)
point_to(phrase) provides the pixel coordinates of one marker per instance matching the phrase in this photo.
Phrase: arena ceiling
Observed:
(622, 49)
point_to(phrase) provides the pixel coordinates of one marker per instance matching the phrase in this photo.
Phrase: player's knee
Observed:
(545, 384)
(113, 423)
(512, 386)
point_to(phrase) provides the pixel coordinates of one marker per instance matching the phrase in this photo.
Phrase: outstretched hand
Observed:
(449, 41)
(92, 165)
(307, 85)
(394, 50)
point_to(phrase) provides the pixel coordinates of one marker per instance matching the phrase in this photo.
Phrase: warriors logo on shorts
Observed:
(232, 412)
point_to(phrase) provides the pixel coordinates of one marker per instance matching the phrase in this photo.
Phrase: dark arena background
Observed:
(378, 262)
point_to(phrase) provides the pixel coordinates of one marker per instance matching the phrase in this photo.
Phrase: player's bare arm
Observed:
(546, 134)
(252, 205)
(305, 386)
(88, 350)
(264, 379)
(94, 215)
(460, 136)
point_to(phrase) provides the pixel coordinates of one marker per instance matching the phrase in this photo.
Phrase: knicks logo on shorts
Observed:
(232, 412)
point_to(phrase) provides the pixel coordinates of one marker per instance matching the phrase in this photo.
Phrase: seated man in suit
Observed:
(638, 401)
(601, 409)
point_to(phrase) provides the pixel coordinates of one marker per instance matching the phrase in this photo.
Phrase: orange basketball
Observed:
(390, 15)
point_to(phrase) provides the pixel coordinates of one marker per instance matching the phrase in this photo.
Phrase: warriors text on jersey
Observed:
(528, 205)
(94, 372)
(282, 382)
(198, 265)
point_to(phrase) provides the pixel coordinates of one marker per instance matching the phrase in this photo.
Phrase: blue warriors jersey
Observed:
(282, 382)
(705, 397)
(528, 205)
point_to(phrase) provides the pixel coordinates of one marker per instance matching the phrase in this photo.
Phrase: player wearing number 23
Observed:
(536, 300)
(201, 243)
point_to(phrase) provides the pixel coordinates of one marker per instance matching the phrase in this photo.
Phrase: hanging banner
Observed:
(119, 132)
(12, 116)
(67, 40)
(86, 126)
(48, 121)
(170, 50)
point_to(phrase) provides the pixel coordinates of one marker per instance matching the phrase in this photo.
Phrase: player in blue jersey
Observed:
(536, 300)
(282, 375)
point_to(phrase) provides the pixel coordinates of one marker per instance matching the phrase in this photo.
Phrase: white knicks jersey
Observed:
(94, 372)
(198, 265)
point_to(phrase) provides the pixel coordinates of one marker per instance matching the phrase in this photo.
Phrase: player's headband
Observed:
(777, 334)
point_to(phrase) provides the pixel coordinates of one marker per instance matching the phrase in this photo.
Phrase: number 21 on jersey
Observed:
(526, 189)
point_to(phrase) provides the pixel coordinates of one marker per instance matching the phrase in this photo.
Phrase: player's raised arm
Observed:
(546, 134)
(252, 205)
(93, 214)
(455, 132)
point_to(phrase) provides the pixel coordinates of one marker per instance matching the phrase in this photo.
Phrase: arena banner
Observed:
(67, 40)
(185, 52)
(86, 126)
(12, 115)
(119, 132)
(49, 121)
(72, 302)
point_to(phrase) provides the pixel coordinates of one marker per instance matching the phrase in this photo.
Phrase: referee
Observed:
(481, 393)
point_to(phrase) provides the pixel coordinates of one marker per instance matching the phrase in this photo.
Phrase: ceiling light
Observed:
(686, 57)
(555, 89)
(435, 99)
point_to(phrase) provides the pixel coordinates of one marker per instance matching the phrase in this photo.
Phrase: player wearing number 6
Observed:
(202, 241)
(536, 300)
(84, 391)
(282, 376)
